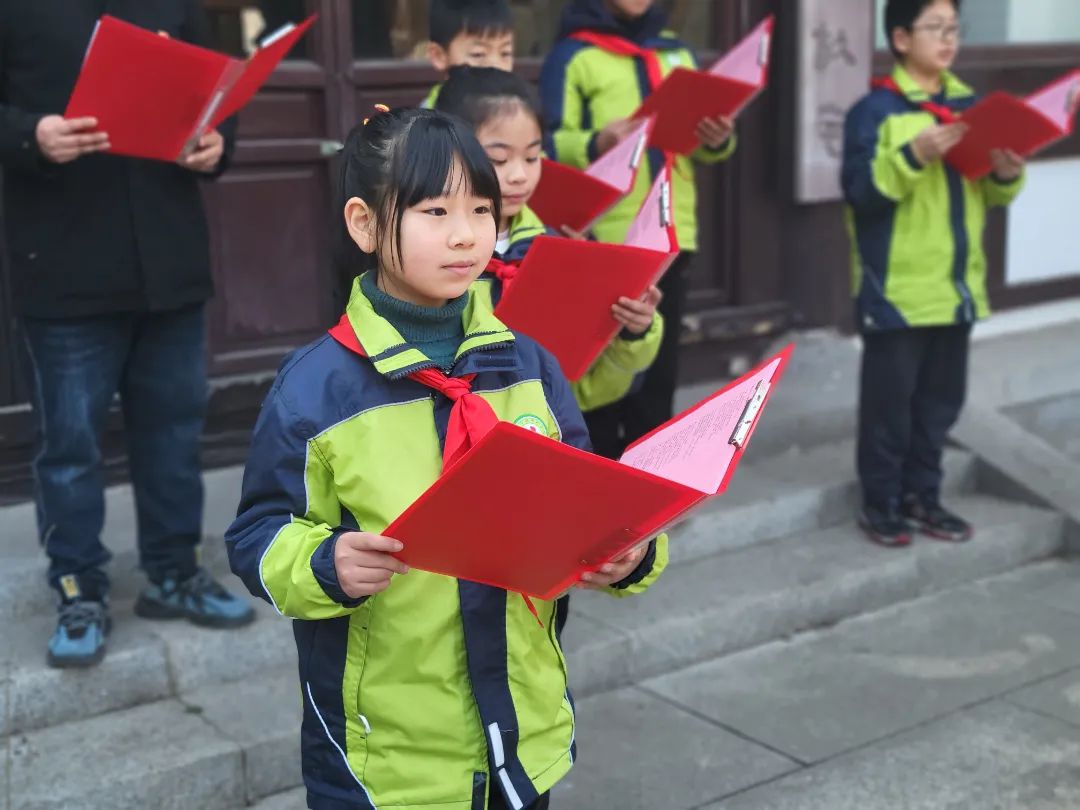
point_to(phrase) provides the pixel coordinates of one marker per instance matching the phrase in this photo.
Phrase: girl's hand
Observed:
(616, 570)
(637, 316)
(581, 236)
(1007, 164)
(714, 132)
(614, 132)
(363, 563)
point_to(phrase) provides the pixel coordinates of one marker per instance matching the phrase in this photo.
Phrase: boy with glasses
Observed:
(919, 270)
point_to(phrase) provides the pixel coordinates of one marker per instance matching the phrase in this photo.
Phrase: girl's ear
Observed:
(360, 221)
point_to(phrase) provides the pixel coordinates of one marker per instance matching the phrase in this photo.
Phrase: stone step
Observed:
(234, 751)
(146, 661)
(289, 800)
(730, 601)
(162, 755)
(150, 661)
(798, 490)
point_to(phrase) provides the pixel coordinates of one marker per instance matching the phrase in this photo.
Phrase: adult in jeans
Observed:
(111, 272)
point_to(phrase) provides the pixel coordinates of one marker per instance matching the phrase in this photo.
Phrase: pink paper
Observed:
(651, 228)
(696, 451)
(748, 61)
(619, 165)
(1058, 101)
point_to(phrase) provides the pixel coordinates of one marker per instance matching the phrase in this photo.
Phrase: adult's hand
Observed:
(62, 140)
(207, 153)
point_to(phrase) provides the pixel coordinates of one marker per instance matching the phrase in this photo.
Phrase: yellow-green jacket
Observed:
(916, 231)
(419, 697)
(583, 88)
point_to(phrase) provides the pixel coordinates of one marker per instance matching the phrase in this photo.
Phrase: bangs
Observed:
(438, 161)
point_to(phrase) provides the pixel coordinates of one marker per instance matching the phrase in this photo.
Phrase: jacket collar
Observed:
(487, 346)
(951, 85)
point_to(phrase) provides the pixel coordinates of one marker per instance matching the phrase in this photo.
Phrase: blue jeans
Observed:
(157, 363)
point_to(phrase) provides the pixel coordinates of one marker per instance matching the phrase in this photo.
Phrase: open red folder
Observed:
(1024, 125)
(538, 514)
(569, 196)
(156, 96)
(686, 96)
(563, 293)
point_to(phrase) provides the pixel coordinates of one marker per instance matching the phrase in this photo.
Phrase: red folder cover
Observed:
(538, 514)
(1024, 125)
(156, 96)
(563, 293)
(569, 196)
(686, 96)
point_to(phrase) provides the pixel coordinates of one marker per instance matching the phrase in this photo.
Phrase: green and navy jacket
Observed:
(916, 231)
(420, 696)
(618, 369)
(583, 88)
(432, 97)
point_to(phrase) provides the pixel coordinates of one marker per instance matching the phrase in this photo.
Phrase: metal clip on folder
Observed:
(749, 415)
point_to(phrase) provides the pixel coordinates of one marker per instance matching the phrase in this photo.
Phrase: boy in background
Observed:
(478, 33)
(919, 270)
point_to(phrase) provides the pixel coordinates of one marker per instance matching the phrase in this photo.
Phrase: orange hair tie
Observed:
(379, 108)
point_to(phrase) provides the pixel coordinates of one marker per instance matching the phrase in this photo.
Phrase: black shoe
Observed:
(79, 640)
(200, 599)
(885, 527)
(934, 520)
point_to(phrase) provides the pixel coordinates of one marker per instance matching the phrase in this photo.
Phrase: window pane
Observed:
(237, 26)
(399, 28)
(1004, 22)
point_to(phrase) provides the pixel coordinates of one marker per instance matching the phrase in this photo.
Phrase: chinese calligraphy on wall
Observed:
(835, 51)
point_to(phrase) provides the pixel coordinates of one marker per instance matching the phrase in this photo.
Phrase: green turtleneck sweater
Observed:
(436, 331)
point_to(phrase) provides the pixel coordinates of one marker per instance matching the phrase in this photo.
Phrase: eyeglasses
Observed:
(942, 30)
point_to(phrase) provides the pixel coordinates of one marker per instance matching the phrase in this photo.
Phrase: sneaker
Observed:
(79, 640)
(885, 527)
(200, 599)
(934, 520)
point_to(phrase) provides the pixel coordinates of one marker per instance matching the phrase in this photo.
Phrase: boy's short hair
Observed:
(903, 13)
(448, 19)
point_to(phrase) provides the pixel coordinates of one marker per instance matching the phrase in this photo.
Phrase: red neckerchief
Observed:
(505, 272)
(470, 417)
(941, 113)
(612, 43)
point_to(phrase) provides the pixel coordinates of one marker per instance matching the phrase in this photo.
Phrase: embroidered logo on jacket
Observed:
(531, 421)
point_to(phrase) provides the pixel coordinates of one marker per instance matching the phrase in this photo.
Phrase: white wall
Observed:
(1043, 20)
(1043, 239)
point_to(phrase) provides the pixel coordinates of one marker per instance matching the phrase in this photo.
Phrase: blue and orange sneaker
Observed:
(81, 629)
(200, 599)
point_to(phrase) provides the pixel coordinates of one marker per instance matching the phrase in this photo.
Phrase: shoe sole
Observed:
(899, 541)
(61, 662)
(937, 534)
(147, 609)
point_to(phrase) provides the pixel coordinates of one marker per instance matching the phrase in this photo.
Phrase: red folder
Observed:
(563, 293)
(686, 96)
(1024, 125)
(569, 196)
(156, 96)
(526, 513)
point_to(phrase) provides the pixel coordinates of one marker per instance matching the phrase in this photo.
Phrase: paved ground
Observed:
(968, 699)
